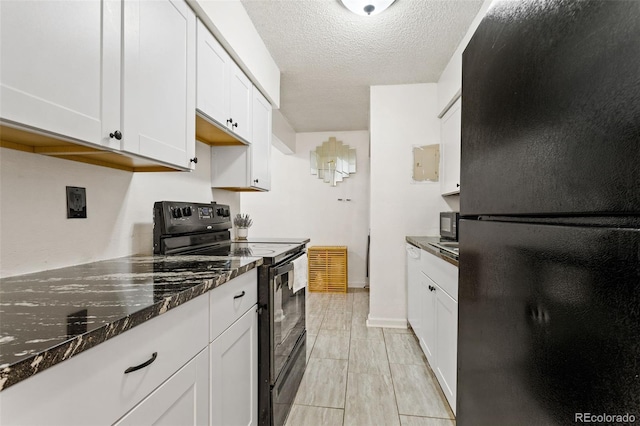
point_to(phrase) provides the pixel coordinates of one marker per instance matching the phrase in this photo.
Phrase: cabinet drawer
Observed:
(182, 400)
(231, 300)
(92, 387)
(441, 272)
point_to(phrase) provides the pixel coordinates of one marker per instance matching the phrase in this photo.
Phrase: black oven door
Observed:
(287, 316)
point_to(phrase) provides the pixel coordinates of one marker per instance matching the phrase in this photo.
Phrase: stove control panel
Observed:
(177, 217)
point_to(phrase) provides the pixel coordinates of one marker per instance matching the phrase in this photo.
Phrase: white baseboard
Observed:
(357, 284)
(386, 322)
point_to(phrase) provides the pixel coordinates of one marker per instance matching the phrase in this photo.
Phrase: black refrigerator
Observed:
(549, 297)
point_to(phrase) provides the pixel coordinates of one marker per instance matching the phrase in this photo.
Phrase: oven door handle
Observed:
(282, 270)
(286, 267)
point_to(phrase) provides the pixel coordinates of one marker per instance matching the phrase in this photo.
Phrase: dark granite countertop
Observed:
(50, 316)
(423, 243)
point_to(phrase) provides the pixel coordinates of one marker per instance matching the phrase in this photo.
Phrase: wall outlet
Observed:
(76, 202)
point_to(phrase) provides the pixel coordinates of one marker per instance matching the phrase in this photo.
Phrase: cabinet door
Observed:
(428, 308)
(450, 133)
(446, 344)
(261, 143)
(182, 400)
(234, 373)
(159, 80)
(93, 384)
(240, 96)
(60, 67)
(414, 289)
(213, 77)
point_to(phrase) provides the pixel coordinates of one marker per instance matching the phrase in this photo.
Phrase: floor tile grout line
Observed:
(346, 385)
(395, 397)
(428, 417)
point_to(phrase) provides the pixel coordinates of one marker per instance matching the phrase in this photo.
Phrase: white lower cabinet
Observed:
(446, 343)
(429, 327)
(436, 323)
(414, 309)
(93, 388)
(234, 373)
(186, 375)
(234, 352)
(181, 400)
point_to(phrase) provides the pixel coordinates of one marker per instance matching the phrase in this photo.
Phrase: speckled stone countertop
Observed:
(50, 316)
(423, 243)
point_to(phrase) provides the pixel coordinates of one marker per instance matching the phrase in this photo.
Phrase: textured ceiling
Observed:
(329, 56)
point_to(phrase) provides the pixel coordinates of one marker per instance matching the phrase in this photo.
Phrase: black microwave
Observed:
(449, 225)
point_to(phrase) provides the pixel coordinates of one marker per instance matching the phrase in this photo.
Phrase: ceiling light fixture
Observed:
(367, 7)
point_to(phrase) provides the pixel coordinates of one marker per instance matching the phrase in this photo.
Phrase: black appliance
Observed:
(449, 225)
(549, 297)
(182, 228)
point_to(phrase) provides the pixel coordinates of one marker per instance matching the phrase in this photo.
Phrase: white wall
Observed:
(301, 205)
(35, 233)
(402, 116)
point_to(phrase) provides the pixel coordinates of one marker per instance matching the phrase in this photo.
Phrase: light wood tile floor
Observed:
(357, 375)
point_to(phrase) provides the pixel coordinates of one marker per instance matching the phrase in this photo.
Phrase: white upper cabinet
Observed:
(450, 132)
(213, 75)
(261, 146)
(246, 167)
(105, 74)
(159, 80)
(60, 67)
(224, 91)
(240, 96)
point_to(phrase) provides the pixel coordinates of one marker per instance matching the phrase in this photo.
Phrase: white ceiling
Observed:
(329, 56)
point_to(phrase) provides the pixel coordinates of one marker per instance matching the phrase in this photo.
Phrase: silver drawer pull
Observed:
(238, 296)
(143, 365)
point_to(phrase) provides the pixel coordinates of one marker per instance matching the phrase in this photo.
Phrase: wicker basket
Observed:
(328, 269)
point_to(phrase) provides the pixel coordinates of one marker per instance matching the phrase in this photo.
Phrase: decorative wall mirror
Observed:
(333, 161)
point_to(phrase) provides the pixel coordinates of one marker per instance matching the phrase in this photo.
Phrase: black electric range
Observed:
(182, 228)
